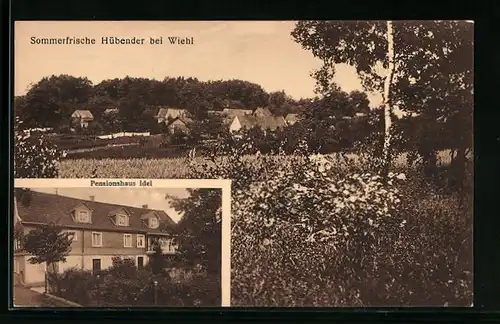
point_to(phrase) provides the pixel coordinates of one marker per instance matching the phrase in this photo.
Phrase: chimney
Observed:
(92, 198)
(145, 206)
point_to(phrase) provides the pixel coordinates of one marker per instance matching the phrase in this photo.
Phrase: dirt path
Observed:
(25, 297)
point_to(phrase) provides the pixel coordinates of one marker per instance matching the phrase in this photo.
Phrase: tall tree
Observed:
(48, 244)
(387, 98)
(52, 100)
(157, 261)
(431, 64)
(324, 125)
(199, 231)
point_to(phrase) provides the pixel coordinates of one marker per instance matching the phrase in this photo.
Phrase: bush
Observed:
(34, 156)
(123, 285)
(73, 284)
(316, 232)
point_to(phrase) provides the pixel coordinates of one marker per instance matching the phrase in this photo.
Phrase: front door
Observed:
(96, 265)
(140, 262)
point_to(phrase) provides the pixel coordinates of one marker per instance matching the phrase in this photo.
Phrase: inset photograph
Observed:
(349, 144)
(117, 247)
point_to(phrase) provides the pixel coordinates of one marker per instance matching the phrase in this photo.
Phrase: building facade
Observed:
(99, 232)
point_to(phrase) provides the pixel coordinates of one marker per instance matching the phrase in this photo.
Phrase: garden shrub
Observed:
(73, 284)
(123, 285)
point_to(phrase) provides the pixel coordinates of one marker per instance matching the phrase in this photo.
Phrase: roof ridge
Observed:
(96, 202)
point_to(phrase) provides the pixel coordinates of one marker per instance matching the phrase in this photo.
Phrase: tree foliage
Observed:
(433, 71)
(47, 243)
(34, 155)
(312, 231)
(51, 101)
(157, 261)
(198, 233)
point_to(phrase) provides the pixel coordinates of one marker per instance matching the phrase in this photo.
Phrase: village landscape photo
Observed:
(117, 247)
(348, 143)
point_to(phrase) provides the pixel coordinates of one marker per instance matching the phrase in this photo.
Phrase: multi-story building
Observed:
(99, 231)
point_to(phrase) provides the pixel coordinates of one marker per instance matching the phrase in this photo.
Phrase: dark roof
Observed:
(185, 120)
(51, 208)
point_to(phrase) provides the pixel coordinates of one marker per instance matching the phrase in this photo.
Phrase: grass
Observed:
(162, 168)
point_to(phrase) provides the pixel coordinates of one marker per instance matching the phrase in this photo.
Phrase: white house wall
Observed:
(106, 261)
(235, 125)
(72, 261)
(76, 261)
(34, 273)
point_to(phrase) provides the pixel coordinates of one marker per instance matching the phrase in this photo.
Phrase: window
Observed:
(17, 245)
(167, 245)
(96, 239)
(83, 216)
(153, 222)
(72, 235)
(122, 220)
(141, 241)
(127, 240)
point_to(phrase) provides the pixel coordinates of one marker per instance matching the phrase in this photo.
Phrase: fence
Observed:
(123, 134)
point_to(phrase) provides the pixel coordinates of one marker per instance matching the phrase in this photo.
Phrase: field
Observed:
(162, 168)
(127, 147)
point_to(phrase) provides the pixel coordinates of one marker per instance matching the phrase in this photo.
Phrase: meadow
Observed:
(171, 168)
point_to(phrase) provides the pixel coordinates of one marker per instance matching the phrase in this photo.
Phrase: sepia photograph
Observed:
(117, 247)
(349, 144)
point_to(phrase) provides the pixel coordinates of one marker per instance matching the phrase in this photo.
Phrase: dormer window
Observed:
(120, 217)
(122, 220)
(153, 222)
(83, 216)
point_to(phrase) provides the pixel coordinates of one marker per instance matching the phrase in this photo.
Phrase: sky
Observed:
(262, 52)
(134, 197)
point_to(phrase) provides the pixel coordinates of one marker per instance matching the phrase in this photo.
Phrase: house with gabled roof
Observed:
(99, 232)
(82, 117)
(262, 112)
(179, 125)
(248, 121)
(166, 113)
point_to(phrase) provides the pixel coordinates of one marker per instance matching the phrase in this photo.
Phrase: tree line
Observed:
(51, 101)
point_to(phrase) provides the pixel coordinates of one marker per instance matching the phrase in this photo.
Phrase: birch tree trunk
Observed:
(387, 100)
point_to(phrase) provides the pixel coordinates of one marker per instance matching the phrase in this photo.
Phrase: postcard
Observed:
(348, 145)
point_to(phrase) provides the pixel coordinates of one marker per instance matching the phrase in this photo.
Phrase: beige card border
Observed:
(225, 185)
